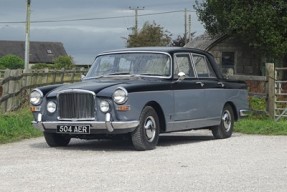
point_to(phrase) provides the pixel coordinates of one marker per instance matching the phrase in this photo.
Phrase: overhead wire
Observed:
(90, 19)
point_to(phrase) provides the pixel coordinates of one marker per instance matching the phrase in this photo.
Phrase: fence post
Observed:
(46, 76)
(62, 75)
(270, 72)
(73, 75)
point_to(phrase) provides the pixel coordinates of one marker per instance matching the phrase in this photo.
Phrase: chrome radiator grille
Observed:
(76, 104)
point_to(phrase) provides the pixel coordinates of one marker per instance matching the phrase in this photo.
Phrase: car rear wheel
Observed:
(225, 128)
(56, 140)
(146, 135)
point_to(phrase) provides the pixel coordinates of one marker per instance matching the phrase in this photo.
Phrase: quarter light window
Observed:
(202, 67)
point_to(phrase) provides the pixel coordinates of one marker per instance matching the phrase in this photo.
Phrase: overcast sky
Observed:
(107, 22)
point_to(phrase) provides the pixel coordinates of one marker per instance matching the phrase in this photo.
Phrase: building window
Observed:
(227, 59)
(49, 51)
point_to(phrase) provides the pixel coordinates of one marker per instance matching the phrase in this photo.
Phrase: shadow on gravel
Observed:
(92, 145)
(170, 140)
(165, 140)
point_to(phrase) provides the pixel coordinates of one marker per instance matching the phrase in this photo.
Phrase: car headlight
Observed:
(104, 106)
(51, 107)
(36, 97)
(120, 96)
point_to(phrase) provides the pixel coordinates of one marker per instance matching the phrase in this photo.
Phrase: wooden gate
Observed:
(280, 104)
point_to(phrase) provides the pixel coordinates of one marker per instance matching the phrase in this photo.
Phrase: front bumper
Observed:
(95, 125)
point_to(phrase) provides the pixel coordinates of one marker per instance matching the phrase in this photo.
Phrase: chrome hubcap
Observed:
(226, 119)
(150, 128)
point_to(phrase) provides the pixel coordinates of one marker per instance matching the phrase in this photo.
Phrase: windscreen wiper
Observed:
(120, 73)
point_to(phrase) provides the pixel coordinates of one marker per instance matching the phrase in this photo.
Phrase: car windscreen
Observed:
(145, 64)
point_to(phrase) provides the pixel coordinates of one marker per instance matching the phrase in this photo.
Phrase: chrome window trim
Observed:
(191, 62)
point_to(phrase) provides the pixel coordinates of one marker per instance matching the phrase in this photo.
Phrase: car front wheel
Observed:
(56, 140)
(146, 135)
(225, 128)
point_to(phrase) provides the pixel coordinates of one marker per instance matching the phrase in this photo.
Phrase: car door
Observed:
(213, 89)
(188, 94)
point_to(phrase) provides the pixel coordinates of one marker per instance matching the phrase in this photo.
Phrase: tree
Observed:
(180, 40)
(150, 35)
(261, 24)
(11, 62)
(64, 62)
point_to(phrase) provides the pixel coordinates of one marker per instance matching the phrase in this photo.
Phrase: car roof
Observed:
(158, 49)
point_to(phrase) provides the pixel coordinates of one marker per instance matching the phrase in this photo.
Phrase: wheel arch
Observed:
(233, 109)
(160, 114)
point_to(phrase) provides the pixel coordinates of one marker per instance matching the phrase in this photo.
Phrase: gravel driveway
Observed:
(189, 161)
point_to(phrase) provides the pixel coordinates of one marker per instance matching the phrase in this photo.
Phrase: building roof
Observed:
(40, 52)
(205, 42)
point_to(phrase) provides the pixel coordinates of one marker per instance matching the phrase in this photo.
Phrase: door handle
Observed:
(201, 84)
(220, 83)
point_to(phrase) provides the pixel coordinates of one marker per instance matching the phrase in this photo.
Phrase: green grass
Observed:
(259, 122)
(15, 126)
(262, 126)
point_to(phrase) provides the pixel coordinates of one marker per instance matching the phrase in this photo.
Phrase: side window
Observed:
(183, 64)
(203, 67)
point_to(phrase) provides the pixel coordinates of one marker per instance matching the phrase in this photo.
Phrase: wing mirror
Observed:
(181, 76)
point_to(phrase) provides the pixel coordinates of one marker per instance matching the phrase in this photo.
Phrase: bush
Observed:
(15, 126)
(59, 63)
(64, 62)
(257, 103)
(11, 62)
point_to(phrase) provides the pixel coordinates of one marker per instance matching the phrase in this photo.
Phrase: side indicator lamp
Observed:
(123, 108)
(35, 108)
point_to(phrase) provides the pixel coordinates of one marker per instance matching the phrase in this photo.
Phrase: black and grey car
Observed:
(140, 93)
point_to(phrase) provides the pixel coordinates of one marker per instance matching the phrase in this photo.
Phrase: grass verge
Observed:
(262, 126)
(15, 126)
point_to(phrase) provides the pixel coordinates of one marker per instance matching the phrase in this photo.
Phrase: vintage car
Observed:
(140, 93)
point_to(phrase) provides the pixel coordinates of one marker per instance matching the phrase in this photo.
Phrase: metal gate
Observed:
(280, 105)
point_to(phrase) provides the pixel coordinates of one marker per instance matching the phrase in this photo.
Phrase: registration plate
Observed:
(73, 129)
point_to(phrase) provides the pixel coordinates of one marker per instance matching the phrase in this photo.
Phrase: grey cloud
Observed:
(84, 39)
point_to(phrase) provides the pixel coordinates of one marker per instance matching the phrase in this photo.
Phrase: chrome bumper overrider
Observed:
(95, 125)
(244, 113)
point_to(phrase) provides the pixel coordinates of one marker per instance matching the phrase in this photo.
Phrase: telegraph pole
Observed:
(136, 9)
(27, 40)
(185, 26)
(189, 27)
